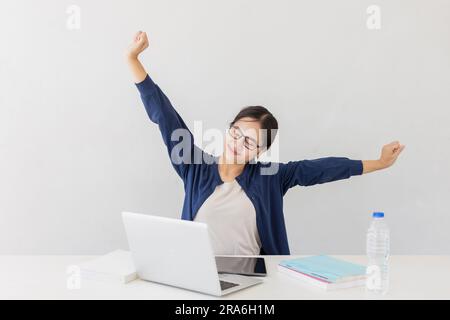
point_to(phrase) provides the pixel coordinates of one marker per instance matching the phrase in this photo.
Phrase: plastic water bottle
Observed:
(378, 255)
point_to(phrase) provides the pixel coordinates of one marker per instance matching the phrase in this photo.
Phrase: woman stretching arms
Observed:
(241, 200)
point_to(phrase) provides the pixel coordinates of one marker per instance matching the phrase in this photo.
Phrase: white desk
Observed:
(45, 277)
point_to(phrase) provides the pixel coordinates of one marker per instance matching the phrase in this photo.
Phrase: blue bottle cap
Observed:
(378, 214)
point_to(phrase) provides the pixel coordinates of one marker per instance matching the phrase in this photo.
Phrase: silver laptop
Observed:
(178, 253)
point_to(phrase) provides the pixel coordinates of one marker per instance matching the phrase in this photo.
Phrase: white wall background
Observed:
(77, 148)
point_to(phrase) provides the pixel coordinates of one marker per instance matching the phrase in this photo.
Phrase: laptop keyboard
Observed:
(224, 285)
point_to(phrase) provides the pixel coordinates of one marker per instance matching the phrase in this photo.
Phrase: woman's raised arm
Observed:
(176, 135)
(317, 171)
(323, 170)
(139, 44)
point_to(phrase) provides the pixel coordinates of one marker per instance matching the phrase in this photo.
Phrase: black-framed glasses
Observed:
(249, 143)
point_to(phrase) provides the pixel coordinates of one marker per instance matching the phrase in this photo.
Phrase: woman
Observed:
(241, 200)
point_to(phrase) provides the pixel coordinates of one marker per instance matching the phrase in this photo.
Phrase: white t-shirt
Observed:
(231, 220)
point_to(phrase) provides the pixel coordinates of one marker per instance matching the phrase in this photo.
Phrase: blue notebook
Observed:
(325, 267)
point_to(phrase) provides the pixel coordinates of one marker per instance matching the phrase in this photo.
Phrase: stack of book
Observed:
(325, 272)
(116, 266)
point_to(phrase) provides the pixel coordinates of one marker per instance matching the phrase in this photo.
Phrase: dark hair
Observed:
(266, 119)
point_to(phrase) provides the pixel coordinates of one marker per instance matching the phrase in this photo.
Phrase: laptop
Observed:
(178, 253)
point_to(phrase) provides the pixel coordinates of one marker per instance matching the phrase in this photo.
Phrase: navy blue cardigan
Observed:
(201, 176)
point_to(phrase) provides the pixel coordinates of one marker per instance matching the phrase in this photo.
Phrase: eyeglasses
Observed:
(249, 143)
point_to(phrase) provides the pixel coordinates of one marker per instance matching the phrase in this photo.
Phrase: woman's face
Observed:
(243, 141)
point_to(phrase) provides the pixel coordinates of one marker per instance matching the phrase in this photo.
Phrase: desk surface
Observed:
(46, 277)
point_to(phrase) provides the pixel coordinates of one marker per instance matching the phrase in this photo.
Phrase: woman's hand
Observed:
(139, 44)
(389, 154)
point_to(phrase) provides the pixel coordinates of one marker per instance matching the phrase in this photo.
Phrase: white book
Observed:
(356, 282)
(114, 266)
